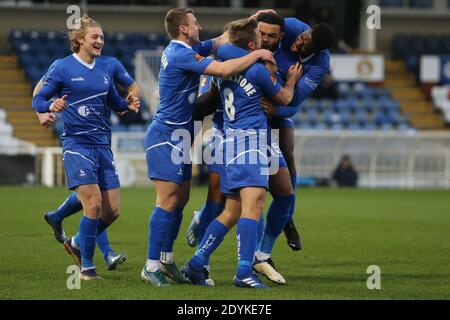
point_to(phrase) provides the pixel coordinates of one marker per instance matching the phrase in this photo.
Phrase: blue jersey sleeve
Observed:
(52, 66)
(286, 112)
(192, 61)
(115, 101)
(203, 48)
(261, 77)
(120, 74)
(51, 86)
(310, 80)
(228, 51)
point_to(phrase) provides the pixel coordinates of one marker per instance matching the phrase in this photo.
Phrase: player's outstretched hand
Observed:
(46, 119)
(295, 72)
(260, 12)
(133, 103)
(265, 55)
(268, 106)
(59, 104)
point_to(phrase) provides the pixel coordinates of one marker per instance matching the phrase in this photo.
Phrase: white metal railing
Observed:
(147, 63)
(383, 159)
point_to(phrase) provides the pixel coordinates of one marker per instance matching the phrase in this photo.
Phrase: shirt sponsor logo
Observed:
(77, 79)
(83, 111)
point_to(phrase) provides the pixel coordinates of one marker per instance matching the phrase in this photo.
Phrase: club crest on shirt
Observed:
(198, 57)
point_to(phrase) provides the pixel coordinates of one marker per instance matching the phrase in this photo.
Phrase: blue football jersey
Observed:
(315, 67)
(179, 76)
(90, 95)
(241, 93)
(118, 71)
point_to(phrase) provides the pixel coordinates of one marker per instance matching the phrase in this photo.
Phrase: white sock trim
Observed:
(262, 256)
(152, 265)
(167, 257)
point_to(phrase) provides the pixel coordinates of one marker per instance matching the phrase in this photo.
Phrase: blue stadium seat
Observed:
(354, 126)
(305, 126)
(345, 118)
(325, 104)
(310, 103)
(337, 126)
(400, 46)
(361, 116)
(312, 115)
(392, 3)
(369, 126)
(344, 90)
(119, 128)
(386, 127)
(421, 3)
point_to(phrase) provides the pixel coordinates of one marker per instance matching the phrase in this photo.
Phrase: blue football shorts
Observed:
(93, 165)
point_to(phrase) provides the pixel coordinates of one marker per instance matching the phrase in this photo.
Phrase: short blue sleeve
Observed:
(192, 61)
(120, 74)
(309, 82)
(51, 85)
(260, 76)
(52, 66)
(114, 101)
(203, 48)
(229, 51)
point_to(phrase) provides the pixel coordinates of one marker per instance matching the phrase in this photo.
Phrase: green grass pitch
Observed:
(405, 233)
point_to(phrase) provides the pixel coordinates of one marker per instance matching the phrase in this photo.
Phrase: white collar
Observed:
(182, 43)
(307, 58)
(87, 65)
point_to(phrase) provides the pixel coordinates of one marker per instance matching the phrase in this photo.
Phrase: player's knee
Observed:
(228, 218)
(112, 214)
(169, 203)
(94, 207)
(216, 197)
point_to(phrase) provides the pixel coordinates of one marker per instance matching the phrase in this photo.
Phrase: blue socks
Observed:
(175, 223)
(209, 212)
(277, 217)
(213, 237)
(159, 226)
(87, 234)
(102, 238)
(67, 208)
(246, 233)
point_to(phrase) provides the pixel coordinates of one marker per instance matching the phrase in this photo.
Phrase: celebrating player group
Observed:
(265, 66)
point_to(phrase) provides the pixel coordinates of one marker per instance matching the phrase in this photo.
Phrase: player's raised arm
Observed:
(285, 95)
(234, 66)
